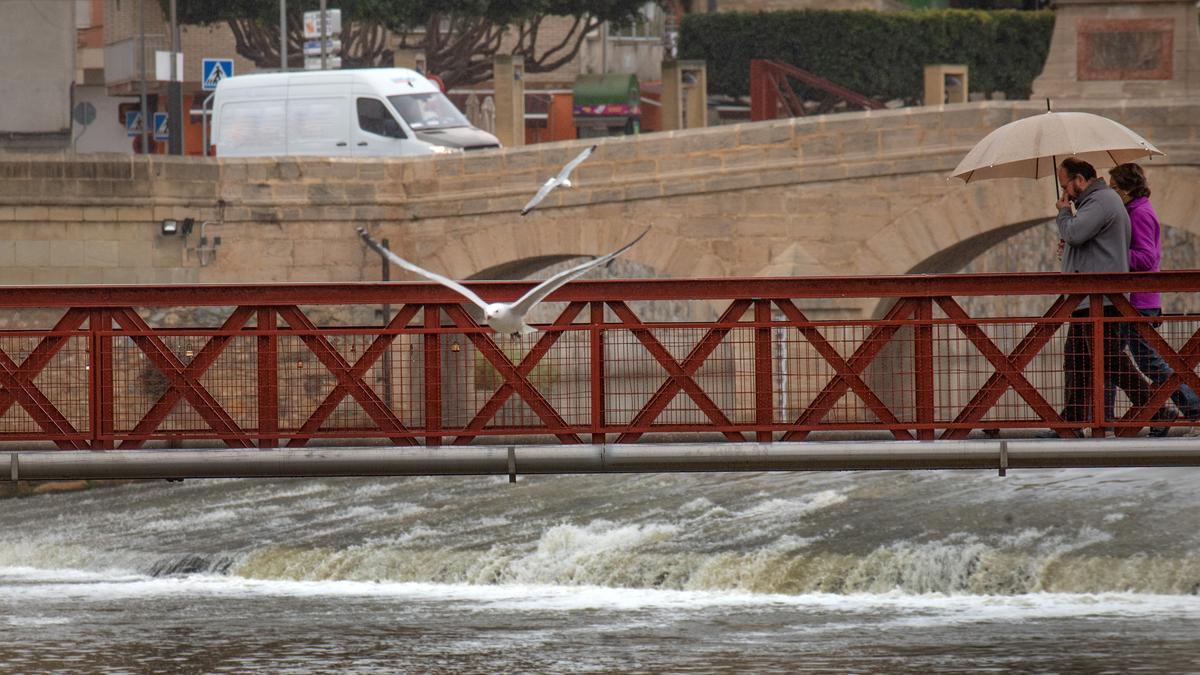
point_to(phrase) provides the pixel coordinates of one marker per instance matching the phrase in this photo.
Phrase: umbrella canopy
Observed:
(1031, 147)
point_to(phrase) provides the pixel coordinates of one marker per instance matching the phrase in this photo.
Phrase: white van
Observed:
(339, 113)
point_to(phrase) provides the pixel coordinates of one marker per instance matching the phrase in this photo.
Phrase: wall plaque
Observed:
(1126, 49)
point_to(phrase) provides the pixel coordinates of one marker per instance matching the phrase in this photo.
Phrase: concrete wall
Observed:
(37, 48)
(107, 132)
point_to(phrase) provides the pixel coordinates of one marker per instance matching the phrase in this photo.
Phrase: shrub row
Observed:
(875, 53)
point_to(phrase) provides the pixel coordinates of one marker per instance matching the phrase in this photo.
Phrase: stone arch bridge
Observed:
(850, 194)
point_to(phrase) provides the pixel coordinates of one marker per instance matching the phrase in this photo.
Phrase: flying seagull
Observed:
(563, 178)
(506, 318)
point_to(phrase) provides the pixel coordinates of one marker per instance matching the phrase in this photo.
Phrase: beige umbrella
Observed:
(1031, 147)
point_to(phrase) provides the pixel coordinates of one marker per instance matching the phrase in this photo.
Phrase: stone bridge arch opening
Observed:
(959, 256)
(536, 268)
(523, 268)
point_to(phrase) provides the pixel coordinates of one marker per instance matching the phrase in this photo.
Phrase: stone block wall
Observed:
(857, 193)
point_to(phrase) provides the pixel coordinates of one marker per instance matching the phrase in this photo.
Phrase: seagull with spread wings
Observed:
(563, 178)
(506, 318)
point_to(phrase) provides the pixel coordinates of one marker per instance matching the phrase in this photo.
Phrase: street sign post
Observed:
(314, 62)
(133, 123)
(323, 47)
(333, 23)
(313, 47)
(162, 130)
(215, 70)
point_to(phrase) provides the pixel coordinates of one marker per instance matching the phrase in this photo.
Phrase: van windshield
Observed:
(428, 111)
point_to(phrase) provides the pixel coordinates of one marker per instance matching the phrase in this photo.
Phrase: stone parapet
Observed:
(854, 193)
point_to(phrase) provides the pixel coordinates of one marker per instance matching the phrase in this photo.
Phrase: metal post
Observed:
(433, 375)
(763, 394)
(1096, 388)
(283, 50)
(924, 397)
(268, 379)
(142, 72)
(175, 91)
(386, 275)
(100, 376)
(597, 362)
(324, 64)
(204, 121)
(604, 48)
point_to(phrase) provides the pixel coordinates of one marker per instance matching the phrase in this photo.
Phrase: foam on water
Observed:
(858, 535)
(918, 609)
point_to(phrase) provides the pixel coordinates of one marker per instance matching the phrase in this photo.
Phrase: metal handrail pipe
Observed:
(634, 458)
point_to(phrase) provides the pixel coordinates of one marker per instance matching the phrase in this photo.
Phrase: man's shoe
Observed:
(1164, 415)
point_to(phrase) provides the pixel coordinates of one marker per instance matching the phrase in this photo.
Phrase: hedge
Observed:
(880, 54)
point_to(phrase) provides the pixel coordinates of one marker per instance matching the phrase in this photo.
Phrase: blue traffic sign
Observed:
(216, 70)
(161, 131)
(133, 123)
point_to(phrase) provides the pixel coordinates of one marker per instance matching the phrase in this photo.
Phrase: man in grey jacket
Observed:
(1096, 234)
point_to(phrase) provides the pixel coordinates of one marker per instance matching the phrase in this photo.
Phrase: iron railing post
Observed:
(764, 374)
(764, 97)
(597, 371)
(923, 368)
(1096, 395)
(100, 381)
(386, 275)
(433, 375)
(268, 379)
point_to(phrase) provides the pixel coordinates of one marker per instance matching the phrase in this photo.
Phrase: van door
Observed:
(318, 125)
(377, 132)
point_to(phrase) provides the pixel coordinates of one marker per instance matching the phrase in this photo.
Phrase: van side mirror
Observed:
(392, 128)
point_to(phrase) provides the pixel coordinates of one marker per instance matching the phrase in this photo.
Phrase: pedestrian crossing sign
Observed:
(161, 131)
(216, 70)
(133, 123)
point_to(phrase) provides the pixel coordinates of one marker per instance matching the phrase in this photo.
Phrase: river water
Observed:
(1039, 571)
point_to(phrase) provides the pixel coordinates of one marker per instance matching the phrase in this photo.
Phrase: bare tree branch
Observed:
(459, 45)
(567, 48)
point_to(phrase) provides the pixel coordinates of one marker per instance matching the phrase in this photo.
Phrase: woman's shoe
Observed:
(1164, 415)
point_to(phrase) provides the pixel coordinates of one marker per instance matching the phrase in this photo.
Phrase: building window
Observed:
(83, 14)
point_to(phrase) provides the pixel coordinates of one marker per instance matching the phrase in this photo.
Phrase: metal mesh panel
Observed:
(57, 394)
(144, 385)
(633, 374)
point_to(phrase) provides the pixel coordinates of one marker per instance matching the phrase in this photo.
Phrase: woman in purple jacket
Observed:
(1145, 253)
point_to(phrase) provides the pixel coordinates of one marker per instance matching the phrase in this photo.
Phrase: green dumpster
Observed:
(607, 105)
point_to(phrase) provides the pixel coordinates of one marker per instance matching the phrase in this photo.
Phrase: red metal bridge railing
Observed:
(283, 365)
(769, 88)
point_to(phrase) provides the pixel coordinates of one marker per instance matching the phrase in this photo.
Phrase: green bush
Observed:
(874, 53)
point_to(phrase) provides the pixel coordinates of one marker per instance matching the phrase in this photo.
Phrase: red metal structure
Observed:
(769, 88)
(271, 365)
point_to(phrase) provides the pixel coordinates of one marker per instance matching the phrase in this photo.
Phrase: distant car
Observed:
(339, 113)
